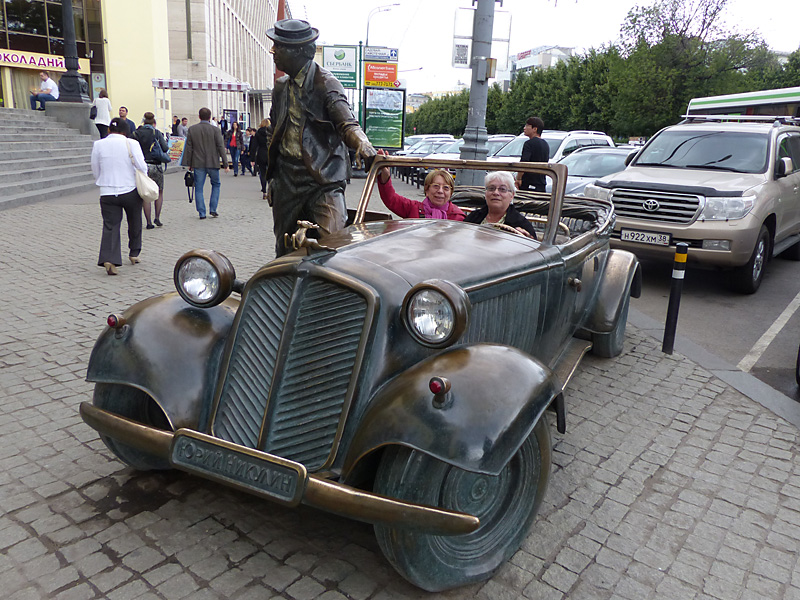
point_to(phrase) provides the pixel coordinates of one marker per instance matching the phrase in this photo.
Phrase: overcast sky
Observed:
(422, 30)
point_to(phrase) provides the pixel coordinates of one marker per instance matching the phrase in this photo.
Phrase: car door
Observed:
(788, 186)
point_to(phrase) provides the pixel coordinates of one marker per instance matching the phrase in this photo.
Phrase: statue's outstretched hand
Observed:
(365, 154)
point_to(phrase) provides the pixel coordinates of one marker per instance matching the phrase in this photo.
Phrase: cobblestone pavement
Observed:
(668, 484)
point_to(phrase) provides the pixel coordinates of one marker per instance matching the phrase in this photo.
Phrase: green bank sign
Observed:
(342, 61)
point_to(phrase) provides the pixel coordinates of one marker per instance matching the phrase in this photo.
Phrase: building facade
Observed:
(124, 44)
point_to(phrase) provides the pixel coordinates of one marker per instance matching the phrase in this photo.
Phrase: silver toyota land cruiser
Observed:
(728, 186)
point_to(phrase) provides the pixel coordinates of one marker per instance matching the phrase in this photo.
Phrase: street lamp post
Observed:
(375, 11)
(72, 87)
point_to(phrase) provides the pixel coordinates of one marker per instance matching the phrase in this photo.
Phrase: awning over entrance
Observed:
(189, 84)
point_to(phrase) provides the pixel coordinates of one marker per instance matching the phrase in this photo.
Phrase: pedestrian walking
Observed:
(123, 114)
(234, 142)
(259, 152)
(534, 150)
(114, 159)
(103, 116)
(202, 153)
(244, 158)
(183, 128)
(147, 135)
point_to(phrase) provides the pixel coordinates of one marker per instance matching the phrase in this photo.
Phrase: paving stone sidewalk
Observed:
(668, 484)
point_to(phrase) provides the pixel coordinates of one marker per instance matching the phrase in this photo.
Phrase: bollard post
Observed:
(678, 271)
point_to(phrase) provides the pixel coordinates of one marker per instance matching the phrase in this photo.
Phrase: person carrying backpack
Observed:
(154, 147)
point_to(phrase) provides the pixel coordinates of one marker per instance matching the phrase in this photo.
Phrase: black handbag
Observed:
(93, 113)
(188, 179)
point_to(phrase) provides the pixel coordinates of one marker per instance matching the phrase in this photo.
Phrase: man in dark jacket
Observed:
(534, 150)
(311, 122)
(202, 152)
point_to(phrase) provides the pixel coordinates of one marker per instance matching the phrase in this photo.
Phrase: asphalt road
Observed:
(731, 325)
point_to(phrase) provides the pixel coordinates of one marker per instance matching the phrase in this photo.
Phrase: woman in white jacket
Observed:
(114, 161)
(103, 117)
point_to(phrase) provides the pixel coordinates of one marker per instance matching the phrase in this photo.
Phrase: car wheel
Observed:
(506, 505)
(747, 278)
(609, 345)
(135, 404)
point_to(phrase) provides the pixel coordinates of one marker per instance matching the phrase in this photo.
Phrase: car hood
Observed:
(422, 249)
(708, 182)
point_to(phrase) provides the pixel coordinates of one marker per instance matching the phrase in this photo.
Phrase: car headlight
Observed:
(595, 191)
(204, 278)
(724, 209)
(436, 312)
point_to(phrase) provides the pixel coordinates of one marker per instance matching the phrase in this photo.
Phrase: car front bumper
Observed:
(741, 234)
(271, 477)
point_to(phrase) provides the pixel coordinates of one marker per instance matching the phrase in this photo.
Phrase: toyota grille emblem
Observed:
(651, 205)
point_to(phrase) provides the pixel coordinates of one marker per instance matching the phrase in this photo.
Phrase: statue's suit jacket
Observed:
(326, 118)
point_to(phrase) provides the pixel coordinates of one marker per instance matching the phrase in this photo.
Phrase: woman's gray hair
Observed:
(503, 177)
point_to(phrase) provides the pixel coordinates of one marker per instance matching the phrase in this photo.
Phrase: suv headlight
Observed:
(727, 208)
(436, 312)
(204, 278)
(595, 191)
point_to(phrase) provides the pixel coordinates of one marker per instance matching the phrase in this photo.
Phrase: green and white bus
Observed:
(781, 102)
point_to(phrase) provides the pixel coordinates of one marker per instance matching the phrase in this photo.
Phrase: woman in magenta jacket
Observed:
(438, 187)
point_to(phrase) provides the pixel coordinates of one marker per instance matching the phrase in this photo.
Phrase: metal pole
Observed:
(678, 271)
(72, 87)
(474, 147)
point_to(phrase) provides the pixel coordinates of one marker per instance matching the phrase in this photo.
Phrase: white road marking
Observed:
(752, 357)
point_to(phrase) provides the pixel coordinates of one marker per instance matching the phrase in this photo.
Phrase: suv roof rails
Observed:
(782, 119)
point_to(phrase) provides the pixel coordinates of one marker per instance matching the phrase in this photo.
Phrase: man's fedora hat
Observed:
(292, 32)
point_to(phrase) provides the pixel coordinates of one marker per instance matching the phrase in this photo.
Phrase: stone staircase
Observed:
(40, 157)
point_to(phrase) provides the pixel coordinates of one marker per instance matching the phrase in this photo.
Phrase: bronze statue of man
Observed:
(311, 127)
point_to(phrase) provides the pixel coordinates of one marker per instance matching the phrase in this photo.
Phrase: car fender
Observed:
(497, 394)
(169, 349)
(622, 277)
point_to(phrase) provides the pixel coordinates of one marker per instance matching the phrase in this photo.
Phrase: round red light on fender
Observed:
(112, 321)
(436, 385)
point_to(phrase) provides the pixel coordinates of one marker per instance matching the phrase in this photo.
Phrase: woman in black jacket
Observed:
(500, 191)
(259, 154)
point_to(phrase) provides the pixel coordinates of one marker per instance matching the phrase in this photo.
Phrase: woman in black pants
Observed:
(114, 161)
(259, 154)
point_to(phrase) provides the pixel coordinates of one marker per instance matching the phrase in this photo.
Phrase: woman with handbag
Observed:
(154, 147)
(115, 161)
(102, 112)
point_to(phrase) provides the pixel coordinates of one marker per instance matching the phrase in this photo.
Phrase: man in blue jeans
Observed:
(202, 153)
(47, 92)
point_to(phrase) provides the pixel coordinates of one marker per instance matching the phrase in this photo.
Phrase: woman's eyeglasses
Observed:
(502, 189)
(438, 186)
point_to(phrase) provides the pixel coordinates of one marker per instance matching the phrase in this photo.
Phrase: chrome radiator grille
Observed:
(297, 373)
(655, 205)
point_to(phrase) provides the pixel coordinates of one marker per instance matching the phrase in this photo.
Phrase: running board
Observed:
(570, 359)
(785, 244)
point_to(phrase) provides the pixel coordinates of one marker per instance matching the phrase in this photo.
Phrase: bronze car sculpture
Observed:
(396, 372)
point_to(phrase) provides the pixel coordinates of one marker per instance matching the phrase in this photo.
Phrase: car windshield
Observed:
(594, 164)
(514, 148)
(454, 147)
(495, 145)
(741, 152)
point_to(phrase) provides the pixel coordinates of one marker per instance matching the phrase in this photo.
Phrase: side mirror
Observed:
(784, 167)
(629, 158)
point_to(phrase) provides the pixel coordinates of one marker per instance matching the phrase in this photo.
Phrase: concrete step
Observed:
(35, 150)
(26, 173)
(29, 128)
(47, 184)
(82, 158)
(45, 136)
(28, 118)
(31, 196)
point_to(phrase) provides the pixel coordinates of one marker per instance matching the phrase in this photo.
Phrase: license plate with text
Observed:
(644, 237)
